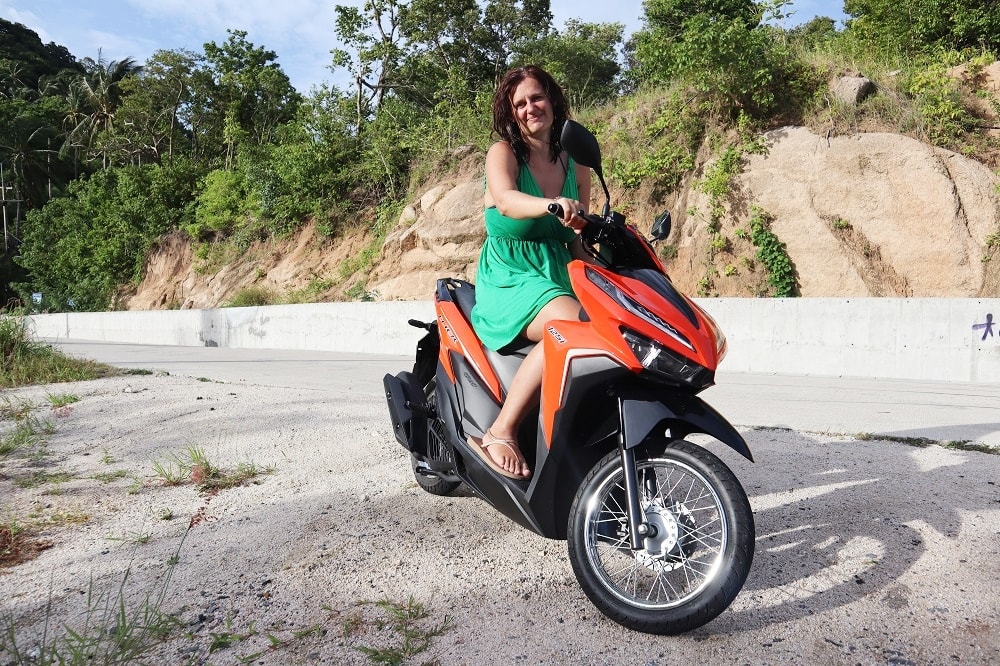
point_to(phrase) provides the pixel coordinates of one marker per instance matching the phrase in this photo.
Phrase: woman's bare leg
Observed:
(526, 387)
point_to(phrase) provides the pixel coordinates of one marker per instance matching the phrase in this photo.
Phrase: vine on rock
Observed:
(773, 254)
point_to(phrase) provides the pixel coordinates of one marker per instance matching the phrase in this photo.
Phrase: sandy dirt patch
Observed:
(867, 552)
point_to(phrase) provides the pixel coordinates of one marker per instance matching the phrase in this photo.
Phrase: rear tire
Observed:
(696, 563)
(433, 484)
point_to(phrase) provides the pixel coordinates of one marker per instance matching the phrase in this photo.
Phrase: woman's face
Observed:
(532, 109)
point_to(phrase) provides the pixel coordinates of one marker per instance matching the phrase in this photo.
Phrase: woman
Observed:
(522, 281)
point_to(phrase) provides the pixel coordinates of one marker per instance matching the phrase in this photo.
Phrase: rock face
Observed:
(877, 214)
(437, 236)
(860, 215)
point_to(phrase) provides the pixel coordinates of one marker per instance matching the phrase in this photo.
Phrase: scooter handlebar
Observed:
(557, 210)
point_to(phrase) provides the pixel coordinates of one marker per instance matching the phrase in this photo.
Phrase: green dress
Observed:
(522, 266)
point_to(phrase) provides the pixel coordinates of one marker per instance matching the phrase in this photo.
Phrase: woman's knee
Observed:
(559, 308)
(566, 307)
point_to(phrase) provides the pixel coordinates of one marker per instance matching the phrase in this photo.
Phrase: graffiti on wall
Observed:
(986, 328)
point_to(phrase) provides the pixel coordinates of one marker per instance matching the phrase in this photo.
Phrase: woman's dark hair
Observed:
(504, 122)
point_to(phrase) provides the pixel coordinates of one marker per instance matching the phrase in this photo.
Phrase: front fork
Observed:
(639, 529)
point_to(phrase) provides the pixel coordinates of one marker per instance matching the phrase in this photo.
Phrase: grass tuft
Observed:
(28, 431)
(193, 466)
(111, 631)
(408, 633)
(25, 361)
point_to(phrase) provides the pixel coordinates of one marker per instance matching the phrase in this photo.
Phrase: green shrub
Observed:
(939, 104)
(671, 134)
(221, 205)
(252, 297)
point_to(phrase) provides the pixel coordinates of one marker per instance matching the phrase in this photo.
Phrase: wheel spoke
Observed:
(681, 557)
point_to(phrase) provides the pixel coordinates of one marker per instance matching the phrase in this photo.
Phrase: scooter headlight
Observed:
(665, 362)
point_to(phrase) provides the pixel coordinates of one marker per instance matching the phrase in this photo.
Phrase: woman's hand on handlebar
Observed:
(574, 220)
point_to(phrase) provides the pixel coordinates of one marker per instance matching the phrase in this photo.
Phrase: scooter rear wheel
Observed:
(694, 565)
(432, 483)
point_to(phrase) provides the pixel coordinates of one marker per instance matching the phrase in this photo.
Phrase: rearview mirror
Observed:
(661, 226)
(582, 146)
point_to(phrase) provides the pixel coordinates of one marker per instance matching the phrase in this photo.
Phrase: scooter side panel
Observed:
(585, 429)
(458, 339)
(565, 343)
(478, 406)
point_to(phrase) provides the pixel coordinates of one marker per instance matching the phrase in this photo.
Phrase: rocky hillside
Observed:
(870, 214)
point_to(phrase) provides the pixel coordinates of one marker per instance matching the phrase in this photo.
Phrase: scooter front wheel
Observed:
(694, 562)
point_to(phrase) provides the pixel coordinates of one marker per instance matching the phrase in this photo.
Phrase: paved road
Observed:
(867, 552)
(940, 411)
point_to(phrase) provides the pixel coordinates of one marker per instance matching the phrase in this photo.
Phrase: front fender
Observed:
(683, 414)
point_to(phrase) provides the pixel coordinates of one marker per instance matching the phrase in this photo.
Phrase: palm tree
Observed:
(93, 100)
(27, 162)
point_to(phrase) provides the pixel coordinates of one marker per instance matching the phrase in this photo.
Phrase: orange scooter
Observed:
(660, 531)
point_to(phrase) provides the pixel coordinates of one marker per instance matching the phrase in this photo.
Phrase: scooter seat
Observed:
(505, 361)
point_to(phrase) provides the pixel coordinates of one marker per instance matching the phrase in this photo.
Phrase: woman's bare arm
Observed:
(501, 190)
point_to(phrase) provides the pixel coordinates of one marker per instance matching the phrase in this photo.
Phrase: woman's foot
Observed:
(502, 455)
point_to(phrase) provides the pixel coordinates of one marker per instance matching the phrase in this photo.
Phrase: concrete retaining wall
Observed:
(949, 339)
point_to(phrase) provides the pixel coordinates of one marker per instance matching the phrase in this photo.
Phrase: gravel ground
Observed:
(868, 552)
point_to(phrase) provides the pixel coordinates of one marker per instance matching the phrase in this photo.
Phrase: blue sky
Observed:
(300, 32)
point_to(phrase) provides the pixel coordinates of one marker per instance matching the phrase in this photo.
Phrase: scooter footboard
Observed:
(402, 392)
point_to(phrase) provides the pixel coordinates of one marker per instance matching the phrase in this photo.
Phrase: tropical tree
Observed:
(243, 94)
(444, 62)
(914, 26)
(156, 107)
(668, 23)
(21, 45)
(722, 48)
(93, 100)
(374, 49)
(508, 24)
(583, 57)
(29, 142)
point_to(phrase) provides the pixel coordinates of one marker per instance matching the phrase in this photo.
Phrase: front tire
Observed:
(695, 564)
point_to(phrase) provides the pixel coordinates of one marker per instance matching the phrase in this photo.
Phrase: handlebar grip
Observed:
(555, 209)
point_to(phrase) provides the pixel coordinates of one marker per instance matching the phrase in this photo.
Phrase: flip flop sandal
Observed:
(480, 447)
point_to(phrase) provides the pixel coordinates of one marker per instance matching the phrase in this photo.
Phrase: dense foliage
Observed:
(100, 158)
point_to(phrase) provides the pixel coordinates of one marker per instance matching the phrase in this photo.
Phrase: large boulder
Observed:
(439, 235)
(876, 214)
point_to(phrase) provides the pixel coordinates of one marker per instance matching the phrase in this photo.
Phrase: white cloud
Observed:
(26, 18)
(300, 32)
